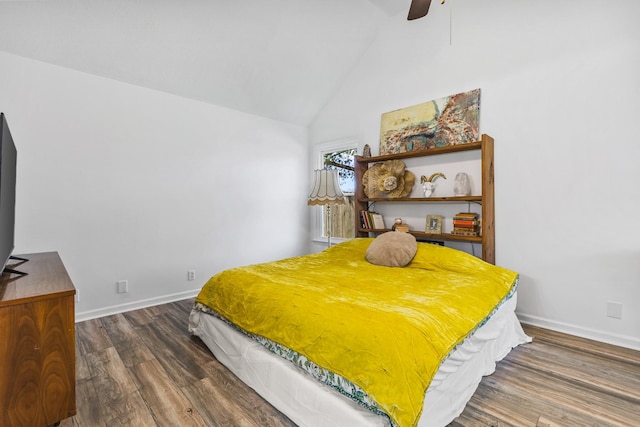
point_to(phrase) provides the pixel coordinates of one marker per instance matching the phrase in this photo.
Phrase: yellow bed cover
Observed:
(385, 329)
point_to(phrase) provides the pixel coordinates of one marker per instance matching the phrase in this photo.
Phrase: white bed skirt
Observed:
(309, 403)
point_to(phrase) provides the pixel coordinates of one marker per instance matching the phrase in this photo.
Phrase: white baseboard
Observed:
(135, 305)
(593, 334)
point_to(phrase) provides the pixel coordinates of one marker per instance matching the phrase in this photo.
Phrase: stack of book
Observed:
(466, 224)
(401, 227)
(371, 220)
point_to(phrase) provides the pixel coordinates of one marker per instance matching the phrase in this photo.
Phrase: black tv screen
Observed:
(8, 159)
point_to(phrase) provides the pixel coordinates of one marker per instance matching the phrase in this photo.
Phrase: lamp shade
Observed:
(326, 189)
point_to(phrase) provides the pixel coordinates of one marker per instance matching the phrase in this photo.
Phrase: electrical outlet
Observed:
(123, 286)
(191, 275)
(614, 309)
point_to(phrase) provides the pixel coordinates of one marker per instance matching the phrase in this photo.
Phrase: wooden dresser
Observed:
(37, 343)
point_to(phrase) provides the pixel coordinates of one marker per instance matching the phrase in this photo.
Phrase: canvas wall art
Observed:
(446, 121)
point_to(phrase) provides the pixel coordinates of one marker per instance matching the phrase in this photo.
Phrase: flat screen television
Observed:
(8, 159)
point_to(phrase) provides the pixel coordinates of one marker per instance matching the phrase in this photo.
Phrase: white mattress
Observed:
(309, 403)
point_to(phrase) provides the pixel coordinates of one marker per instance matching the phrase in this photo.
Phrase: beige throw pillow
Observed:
(392, 249)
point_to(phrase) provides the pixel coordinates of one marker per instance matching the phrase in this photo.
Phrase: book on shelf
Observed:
(378, 221)
(402, 227)
(465, 232)
(371, 220)
(364, 221)
(468, 214)
(465, 223)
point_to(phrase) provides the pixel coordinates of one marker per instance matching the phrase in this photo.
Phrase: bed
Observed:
(336, 339)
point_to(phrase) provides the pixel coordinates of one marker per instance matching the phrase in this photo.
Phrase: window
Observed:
(338, 155)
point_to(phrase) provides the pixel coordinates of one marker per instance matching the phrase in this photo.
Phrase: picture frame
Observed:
(434, 224)
(378, 221)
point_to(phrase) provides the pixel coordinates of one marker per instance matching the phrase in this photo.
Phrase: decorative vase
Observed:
(462, 185)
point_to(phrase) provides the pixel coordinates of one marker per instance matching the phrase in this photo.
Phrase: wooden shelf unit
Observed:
(486, 199)
(37, 343)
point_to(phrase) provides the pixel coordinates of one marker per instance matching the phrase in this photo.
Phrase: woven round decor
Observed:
(388, 180)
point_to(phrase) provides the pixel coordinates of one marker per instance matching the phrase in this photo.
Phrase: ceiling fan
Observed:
(419, 8)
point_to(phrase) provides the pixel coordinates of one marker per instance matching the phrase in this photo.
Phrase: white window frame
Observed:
(317, 162)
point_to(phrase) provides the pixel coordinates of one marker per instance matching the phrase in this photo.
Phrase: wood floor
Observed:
(143, 368)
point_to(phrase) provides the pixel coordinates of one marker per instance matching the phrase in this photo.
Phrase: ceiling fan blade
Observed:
(418, 9)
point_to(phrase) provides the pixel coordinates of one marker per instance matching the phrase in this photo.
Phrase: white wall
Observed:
(133, 184)
(560, 92)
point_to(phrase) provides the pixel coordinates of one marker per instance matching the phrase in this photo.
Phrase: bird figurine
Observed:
(428, 184)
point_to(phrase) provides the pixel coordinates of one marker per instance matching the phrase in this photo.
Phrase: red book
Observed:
(464, 223)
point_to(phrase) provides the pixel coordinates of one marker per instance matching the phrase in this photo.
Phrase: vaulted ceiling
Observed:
(281, 59)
